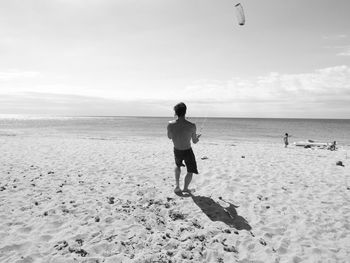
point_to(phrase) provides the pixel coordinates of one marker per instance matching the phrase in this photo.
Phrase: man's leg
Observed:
(177, 178)
(188, 180)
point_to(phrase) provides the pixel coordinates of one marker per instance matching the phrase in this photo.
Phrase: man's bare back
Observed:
(181, 131)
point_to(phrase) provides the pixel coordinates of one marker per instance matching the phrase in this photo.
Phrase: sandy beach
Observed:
(95, 95)
(92, 200)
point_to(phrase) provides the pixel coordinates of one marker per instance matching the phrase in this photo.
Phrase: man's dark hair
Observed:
(180, 109)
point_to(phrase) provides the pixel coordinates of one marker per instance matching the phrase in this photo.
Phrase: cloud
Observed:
(335, 37)
(341, 50)
(73, 105)
(321, 93)
(339, 43)
(345, 52)
(333, 82)
(17, 74)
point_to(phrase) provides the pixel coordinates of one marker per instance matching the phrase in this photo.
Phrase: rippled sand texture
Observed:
(84, 200)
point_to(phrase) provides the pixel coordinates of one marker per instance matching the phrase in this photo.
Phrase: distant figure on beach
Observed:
(333, 146)
(285, 139)
(181, 131)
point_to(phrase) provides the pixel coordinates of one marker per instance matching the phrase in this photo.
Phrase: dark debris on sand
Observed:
(340, 163)
(63, 245)
(79, 251)
(111, 200)
(176, 215)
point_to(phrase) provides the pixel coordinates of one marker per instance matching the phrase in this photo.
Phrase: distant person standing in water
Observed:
(285, 138)
(181, 131)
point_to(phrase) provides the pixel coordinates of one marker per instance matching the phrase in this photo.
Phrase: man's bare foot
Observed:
(189, 191)
(177, 190)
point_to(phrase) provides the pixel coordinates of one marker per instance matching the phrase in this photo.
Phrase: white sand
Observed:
(80, 200)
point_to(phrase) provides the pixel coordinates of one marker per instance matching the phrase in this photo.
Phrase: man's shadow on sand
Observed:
(216, 212)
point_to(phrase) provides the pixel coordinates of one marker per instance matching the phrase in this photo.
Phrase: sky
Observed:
(139, 58)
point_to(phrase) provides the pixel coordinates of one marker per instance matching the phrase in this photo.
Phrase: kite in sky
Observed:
(240, 14)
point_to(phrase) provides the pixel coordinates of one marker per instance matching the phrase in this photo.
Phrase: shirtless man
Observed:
(181, 131)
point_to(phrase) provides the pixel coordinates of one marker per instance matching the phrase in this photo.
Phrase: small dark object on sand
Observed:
(79, 241)
(175, 215)
(243, 156)
(61, 245)
(80, 251)
(262, 242)
(111, 200)
(231, 249)
(204, 158)
(340, 163)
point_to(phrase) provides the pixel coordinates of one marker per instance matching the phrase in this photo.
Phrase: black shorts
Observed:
(188, 157)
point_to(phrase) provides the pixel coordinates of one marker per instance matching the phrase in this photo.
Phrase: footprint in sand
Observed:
(25, 229)
(45, 238)
(284, 246)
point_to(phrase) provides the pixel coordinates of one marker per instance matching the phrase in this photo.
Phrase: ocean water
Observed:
(226, 129)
